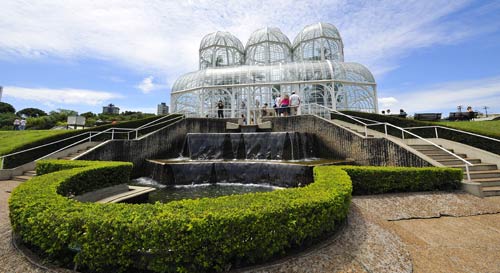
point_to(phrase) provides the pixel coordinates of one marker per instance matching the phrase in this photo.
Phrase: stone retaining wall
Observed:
(338, 143)
(333, 142)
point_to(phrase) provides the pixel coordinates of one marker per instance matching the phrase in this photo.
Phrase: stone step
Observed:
(495, 181)
(455, 161)
(484, 174)
(361, 133)
(22, 178)
(491, 191)
(437, 156)
(33, 172)
(424, 146)
(477, 167)
(436, 152)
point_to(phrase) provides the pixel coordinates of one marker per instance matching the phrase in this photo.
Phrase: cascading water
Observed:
(261, 146)
(277, 159)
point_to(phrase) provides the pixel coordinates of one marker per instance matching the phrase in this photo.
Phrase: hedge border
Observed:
(378, 180)
(208, 234)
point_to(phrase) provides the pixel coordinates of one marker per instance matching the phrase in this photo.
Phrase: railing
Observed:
(315, 109)
(403, 132)
(451, 129)
(88, 136)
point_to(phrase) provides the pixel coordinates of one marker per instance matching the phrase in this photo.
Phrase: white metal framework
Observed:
(313, 68)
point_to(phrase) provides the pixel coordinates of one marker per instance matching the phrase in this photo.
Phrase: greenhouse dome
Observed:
(268, 45)
(316, 72)
(319, 41)
(220, 49)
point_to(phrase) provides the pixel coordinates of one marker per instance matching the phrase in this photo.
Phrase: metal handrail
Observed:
(452, 129)
(91, 134)
(165, 121)
(466, 163)
(154, 121)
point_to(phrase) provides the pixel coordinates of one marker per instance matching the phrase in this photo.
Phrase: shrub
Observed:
(376, 180)
(208, 234)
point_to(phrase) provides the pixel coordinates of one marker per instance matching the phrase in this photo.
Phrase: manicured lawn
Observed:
(10, 140)
(488, 127)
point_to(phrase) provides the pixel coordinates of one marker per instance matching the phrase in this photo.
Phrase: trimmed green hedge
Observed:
(23, 158)
(376, 180)
(208, 234)
(478, 142)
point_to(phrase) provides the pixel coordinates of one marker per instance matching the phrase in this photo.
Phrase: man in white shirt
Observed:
(294, 103)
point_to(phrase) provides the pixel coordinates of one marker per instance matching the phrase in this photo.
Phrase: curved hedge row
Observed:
(208, 234)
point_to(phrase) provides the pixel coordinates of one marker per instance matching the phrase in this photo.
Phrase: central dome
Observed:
(319, 41)
(220, 49)
(268, 45)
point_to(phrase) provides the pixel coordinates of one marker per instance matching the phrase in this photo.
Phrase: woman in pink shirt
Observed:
(285, 102)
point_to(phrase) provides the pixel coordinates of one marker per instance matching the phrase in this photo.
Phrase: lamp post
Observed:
(484, 107)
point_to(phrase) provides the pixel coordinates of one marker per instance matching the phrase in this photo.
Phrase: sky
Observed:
(426, 55)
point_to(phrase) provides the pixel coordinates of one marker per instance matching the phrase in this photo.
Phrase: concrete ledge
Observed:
(473, 188)
(113, 194)
(133, 192)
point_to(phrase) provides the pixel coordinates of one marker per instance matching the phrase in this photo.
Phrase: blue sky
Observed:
(426, 55)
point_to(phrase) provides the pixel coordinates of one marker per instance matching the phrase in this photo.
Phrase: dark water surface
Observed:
(165, 194)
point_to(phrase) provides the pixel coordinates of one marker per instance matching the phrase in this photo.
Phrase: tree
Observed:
(7, 108)
(88, 115)
(31, 112)
(7, 120)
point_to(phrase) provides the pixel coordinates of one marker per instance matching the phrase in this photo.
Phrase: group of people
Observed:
(286, 106)
(19, 124)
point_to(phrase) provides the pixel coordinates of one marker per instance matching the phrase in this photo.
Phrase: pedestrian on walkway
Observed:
(294, 104)
(220, 109)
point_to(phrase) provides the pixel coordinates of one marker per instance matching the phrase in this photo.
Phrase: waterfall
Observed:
(265, 146)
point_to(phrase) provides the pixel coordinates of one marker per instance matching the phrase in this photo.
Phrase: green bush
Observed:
(376, 180)
(478, 142)
(208, 234)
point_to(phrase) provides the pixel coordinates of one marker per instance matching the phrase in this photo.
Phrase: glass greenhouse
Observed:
(246, 78)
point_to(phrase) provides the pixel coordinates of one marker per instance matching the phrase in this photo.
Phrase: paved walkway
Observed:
(417, 232)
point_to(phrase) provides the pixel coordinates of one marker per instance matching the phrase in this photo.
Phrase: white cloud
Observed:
(57, 97)
(149, 84)
(387, 102)
(162, 37)
(146, 85)
(447, 96)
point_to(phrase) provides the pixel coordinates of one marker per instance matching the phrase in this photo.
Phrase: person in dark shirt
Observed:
(220, 111)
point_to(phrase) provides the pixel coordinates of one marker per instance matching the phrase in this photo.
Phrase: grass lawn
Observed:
(489, 127)
(10, 140)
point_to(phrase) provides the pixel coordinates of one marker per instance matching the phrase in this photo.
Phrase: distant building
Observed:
(162, 109)
(1, 91)
(111, 109)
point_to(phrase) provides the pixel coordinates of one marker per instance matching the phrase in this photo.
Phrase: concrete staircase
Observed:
(353, 127)
(486, 174)
(76, 154)
(71, 155)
